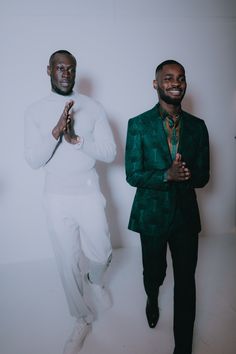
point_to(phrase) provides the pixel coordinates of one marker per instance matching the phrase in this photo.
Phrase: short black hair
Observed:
(168, 62)
(61, 51)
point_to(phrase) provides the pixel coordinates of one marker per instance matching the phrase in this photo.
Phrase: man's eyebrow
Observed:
(65, 64)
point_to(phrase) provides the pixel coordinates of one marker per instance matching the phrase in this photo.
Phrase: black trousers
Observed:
(184, 250)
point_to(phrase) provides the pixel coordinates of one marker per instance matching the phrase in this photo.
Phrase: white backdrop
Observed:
(118, 45)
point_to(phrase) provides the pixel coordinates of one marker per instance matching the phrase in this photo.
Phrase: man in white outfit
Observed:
(66, 133)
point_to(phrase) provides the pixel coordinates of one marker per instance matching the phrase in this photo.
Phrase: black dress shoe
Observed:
(152, 312)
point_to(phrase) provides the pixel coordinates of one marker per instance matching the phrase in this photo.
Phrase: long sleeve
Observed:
(38, 147)
(200, 171)
(100, 145)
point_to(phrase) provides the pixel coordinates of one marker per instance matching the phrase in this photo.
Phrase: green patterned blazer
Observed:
(147, 158)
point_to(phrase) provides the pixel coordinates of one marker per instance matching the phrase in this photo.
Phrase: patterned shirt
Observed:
(172, 127)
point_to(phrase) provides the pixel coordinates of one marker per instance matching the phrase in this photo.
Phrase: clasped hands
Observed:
(65, 125)
(178, 170)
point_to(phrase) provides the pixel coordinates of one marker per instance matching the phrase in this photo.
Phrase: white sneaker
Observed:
(76, 340)
(97, 297)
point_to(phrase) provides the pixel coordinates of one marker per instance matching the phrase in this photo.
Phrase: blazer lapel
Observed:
(186, 141)
(156, 131)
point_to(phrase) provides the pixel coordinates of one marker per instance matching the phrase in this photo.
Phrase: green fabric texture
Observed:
(147, 158)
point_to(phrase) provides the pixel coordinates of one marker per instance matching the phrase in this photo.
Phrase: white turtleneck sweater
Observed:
(69, 168)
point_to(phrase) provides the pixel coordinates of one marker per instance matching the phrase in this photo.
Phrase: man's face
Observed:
(170, 84)
(62, 72)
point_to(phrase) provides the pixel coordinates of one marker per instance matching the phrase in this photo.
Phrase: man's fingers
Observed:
(178, 157)
(68, 106)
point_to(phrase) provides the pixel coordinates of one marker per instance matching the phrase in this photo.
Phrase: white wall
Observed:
(118, 44)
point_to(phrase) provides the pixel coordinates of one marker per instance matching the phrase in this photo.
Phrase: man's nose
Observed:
(66, 73)
(175, 83)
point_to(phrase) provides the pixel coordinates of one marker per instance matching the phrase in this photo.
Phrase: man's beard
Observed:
(169, 100)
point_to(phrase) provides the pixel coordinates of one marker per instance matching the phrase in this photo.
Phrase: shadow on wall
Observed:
(103, 169)
(2, 188)
(107, 188)
(85, 86)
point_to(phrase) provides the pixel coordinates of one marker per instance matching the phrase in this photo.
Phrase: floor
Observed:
(34, 318)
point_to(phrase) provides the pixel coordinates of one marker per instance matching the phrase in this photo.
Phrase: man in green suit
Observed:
(167, 157)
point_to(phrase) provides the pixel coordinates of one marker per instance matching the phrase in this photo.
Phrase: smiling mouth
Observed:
(175, 92)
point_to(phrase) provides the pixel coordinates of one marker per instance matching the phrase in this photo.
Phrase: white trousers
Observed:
(81, 242)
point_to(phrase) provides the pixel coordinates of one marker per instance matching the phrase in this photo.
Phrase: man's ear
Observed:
(48, 70)
(155, 84)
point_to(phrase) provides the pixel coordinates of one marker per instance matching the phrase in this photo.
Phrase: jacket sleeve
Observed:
(136, 173)
(200, 170)
(38, 148)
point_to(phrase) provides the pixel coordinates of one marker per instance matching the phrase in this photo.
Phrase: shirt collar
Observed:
(164, 113)
(54, 96)
(59, 97)
(168, 117)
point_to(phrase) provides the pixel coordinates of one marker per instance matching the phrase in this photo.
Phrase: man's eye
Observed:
(69, 70)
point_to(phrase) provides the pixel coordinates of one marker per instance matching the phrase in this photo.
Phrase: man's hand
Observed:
(178, 170)
(64, 124)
